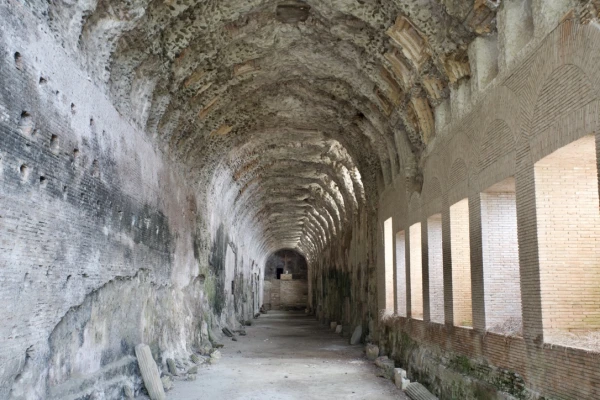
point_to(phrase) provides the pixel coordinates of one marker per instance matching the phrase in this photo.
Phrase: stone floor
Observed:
(287, 355)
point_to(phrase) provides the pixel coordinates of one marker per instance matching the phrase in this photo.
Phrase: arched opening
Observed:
(286, 281)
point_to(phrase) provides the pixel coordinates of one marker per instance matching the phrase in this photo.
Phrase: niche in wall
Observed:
(460, 248)
(436, 268)
(568, 228)
(416, 272)
(501, 273)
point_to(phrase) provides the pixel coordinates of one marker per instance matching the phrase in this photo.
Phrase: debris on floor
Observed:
(416, 391)
(357, 335)
(372, 351)
(386, 367)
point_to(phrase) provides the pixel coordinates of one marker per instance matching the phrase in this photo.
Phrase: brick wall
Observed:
(461, 263)
(436, 271)
(416, 272)
(568, 221)
(293, 293)
(388, 241)
(401, 291)
(545, 101)
(502, 283)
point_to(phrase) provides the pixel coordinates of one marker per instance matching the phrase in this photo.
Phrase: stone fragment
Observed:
(333, 325)
(256, 315)
(128, 392)
(386, 367)
(149, 372)
(416, 391)
(193, 370)
(195, 359)
(356, 335)
(171, 366)
(338, 329)
(400, 378)
(372, 351)
(204, 330)
(234, 339)
(167, 383)
(248, 322)
(227, 332)
(215, 356)
(191, 377)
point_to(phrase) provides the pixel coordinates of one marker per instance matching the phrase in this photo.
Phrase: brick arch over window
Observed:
(566, 109)
(414, 206)
(458, 172)
(494, 144)
(432, 189)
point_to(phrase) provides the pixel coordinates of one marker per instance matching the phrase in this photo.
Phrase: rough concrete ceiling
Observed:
(288, 114)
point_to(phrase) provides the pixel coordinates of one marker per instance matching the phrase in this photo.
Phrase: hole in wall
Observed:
(18, 60)
(43, 80)
(64, 189)
(91, 121)
(43, 181)
(24, 169)
(54, 143)
(26, 123)
(73, 108)
(95, 168)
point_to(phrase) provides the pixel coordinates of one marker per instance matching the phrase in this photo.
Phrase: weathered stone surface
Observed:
(149, 372)
(356, 335)
(338, 329)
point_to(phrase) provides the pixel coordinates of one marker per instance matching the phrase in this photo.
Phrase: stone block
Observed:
(416, 391)
(333, 325)
(338, 329)
(372, 351)
(171, 366)
(386, 367)
(167, 383)
(149, 372)
(400, 378)
(356, 335)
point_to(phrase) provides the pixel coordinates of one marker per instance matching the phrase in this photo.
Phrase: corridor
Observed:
(287, 355)
(425, 171)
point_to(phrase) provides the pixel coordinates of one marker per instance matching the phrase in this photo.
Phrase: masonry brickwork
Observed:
(548, 101)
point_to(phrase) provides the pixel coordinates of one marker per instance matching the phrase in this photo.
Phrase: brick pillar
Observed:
(528, 246)
(477, 291)
(425, 268)
(447, 260)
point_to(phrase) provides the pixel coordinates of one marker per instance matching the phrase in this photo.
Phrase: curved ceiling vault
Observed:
(287, 112)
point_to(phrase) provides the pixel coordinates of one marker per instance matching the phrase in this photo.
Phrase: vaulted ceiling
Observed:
(291, 114)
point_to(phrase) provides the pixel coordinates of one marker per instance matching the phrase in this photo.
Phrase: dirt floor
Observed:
(287, 355)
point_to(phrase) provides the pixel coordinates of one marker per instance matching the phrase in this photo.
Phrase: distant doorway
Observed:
(279, 272)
